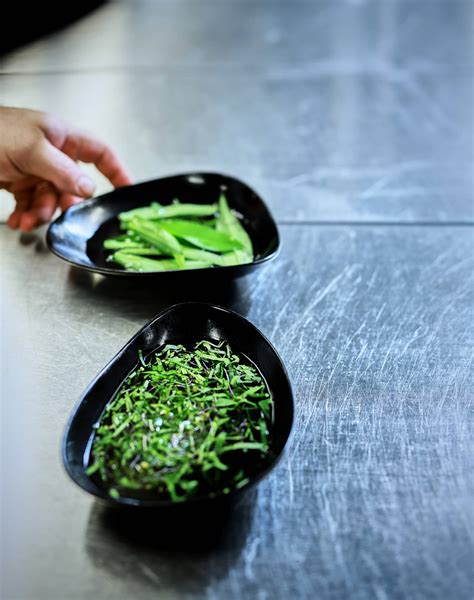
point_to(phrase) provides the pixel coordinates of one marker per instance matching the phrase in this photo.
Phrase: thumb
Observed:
(49, 163)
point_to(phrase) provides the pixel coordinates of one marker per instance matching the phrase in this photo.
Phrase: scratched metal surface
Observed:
(358, 113)
(373, 499)
(331, 147)
(333, 111)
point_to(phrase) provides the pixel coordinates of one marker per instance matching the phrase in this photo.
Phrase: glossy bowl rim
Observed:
(167, 504)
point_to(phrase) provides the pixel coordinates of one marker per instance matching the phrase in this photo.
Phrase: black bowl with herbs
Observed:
(197, 407)
(192, 225)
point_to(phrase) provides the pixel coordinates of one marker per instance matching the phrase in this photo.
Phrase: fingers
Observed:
(49, 163)
(47, 175)
(23, 202)
(27, 183)
(82, 146)
(35, 206)
(43, 205)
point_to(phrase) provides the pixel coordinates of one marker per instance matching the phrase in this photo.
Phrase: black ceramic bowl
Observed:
(184, 323)
(77, 236)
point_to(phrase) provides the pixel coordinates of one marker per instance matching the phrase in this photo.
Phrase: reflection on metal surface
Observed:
(173, 557)
(144, 299)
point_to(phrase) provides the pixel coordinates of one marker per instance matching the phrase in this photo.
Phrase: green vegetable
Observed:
(205, 238)
(185, 423)
(163, 240)
(210, 258)
(156, 211)
(139, 250)
(237, 257)
(133, 262)
(132, 244)
(122, 242)
(228, 223)
(201, 235)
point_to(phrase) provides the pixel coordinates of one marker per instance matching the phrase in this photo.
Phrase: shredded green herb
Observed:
(184, 423)
(180, 236)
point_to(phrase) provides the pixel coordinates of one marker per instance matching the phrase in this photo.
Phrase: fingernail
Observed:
(86, 186)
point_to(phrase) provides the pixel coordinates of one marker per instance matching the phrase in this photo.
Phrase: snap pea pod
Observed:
(211, 258)
(139, 250)
(180, 243)
(162, 239)
(236, 257)
(127, 243)
(140, 264)
(201, 235)
(156, 211)
(203, 256)
(228, 223)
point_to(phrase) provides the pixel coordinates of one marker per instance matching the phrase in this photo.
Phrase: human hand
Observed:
(37, 165)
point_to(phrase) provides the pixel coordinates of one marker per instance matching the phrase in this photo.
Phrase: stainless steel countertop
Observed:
(354, 121)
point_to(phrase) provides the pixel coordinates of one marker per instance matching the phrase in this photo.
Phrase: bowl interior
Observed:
(78, 234)
(183, 323)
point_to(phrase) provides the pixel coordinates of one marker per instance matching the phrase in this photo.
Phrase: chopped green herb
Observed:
(184, 423)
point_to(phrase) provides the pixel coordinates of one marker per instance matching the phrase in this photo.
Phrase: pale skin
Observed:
(38, 165)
